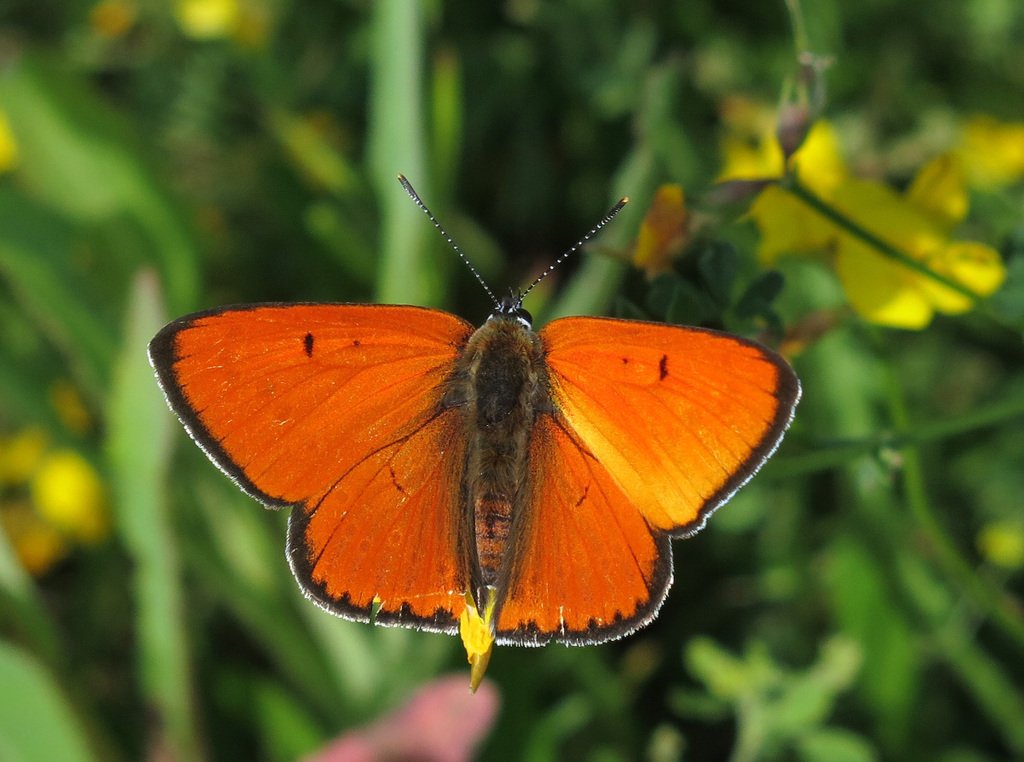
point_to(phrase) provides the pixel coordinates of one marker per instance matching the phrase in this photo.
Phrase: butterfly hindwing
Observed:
(337, 410)
(388, 532)
(588, 567)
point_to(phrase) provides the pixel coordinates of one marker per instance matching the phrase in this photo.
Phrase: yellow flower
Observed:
(887, 292)
(1002, 543)
(818, 159)
(47, 498)
(8, 145)
(798, 228)
(68, 493)
(992, 152)
(208, 19)
(917, 223)
(247, 23)
(477, 634)
(663, 232)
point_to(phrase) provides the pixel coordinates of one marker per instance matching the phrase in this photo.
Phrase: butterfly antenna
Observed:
(593, 231)
(451, 242)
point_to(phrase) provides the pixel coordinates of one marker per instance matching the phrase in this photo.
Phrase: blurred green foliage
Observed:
(860, 600)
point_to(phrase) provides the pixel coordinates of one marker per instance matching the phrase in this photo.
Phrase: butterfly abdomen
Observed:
(503, 378)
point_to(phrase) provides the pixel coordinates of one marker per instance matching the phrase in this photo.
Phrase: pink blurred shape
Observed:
(441, 722)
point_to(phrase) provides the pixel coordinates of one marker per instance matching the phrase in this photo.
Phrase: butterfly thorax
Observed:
(502, 385)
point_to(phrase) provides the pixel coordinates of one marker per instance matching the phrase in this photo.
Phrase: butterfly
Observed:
(435, 470)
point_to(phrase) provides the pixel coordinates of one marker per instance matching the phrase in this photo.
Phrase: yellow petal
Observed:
(788, 226)
(939, 191)
(819, 163)
(992, 152)
(663, 232)
(8, 145)
(749, 149)
(1002, 543)
(744, 161)
(885, 213)
(207, 19)
(68, 493)
(880, 290)
(975, 265)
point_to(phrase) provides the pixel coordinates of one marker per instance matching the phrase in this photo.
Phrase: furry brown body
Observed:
(502, 386)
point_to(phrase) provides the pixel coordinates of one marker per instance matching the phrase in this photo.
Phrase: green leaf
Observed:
(834, 745)
(724, 675)
(138, 449)
(759, 296)
(397, 144)
(718, 265)
(76, 155)
(866, 612)
(34, 258)
(288, 730)
(36, 721)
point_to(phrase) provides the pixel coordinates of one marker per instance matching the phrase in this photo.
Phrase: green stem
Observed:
(23, 610)
(986, 595)
(791, 183)
(828, 457)
(796, 18)
(397, 143)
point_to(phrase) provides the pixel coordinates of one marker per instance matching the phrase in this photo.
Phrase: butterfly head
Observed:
(510, 307)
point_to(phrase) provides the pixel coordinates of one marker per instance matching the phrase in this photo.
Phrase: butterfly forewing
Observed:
(336, 409)
(678, 417)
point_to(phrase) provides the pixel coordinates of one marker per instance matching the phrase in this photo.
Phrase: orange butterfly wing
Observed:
(337, 409)
(652, 427)
(588, 567)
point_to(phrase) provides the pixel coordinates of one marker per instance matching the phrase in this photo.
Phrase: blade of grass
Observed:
(397, 144)
(36, 721)
(827, 457)
(240, 563)
(33, 254)
(22, 609)
(138, 449)
(1003, 609)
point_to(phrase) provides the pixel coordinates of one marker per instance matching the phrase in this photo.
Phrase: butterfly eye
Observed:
(523, 317)
(511, 306)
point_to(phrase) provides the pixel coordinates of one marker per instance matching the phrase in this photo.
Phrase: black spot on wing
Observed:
(663, 368)
(308, 344)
